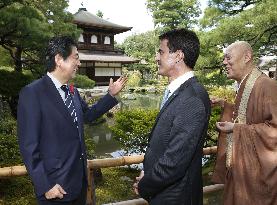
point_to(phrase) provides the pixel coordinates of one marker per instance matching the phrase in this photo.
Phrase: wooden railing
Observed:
(108, 162)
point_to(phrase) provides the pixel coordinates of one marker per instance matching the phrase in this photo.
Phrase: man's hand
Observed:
(56, 192)
(217, 102)
(117, 86)
(135, 185)
(226, 127)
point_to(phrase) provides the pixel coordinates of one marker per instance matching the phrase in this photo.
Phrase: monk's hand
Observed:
(217, 102)
(226, 127)
(117, 86)
(135, 185)
(56, 192)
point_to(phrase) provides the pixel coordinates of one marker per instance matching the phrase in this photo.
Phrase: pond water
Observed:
(106, 146)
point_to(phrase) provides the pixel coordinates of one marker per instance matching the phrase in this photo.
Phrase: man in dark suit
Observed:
(173, 159)
(50, 127)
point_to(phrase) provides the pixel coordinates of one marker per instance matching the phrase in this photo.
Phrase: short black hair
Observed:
(186, 41)
(58, 45)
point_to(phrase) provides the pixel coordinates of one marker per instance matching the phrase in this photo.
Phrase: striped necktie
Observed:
(69, 104)
(165, 97)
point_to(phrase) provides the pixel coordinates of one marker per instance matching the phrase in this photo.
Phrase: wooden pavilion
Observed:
(99, 59)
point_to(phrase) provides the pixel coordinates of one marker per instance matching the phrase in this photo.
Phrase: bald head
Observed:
(241, 47)
(238, 60)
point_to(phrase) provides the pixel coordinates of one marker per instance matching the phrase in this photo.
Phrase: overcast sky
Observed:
(130, 13)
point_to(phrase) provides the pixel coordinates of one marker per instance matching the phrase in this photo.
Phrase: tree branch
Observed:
(259, 36)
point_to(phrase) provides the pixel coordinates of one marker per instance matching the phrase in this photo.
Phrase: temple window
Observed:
(107, 40)
(93, 39)
(81, 39)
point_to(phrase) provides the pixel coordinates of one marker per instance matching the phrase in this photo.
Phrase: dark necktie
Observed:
(69, 104)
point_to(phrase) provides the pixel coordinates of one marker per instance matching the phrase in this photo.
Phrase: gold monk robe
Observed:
(252, 177)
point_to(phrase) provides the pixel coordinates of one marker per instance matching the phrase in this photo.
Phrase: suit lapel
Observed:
(54, 96)
(170, 99)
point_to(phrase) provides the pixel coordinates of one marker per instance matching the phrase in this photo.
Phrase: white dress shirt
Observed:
(175, 84)
(57, 85)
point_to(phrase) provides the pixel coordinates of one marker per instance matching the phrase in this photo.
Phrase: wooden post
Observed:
(91, 188)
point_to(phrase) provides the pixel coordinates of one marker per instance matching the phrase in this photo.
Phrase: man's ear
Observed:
(247, 56)
(179, 56)
(58, 60)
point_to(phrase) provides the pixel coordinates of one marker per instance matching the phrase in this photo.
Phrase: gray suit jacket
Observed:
(173, 159)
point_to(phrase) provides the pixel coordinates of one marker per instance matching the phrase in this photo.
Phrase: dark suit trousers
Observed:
(81, 200)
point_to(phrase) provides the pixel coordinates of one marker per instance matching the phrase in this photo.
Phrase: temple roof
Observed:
(85, 18)
(106, 58)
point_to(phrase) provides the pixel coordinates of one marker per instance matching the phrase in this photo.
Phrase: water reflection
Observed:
(101, 134)
(150, 101)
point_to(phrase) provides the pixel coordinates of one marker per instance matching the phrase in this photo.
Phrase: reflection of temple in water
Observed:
(108, 137)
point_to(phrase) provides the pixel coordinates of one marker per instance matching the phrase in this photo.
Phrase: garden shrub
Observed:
(223, 93)
(134, 78)
(132, 128)
(9, 148)
(11, 82)
(82, 81)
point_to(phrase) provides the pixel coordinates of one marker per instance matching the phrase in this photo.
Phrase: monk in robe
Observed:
(247, 145)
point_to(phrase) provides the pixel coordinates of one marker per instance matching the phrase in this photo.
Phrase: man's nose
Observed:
(225, 61)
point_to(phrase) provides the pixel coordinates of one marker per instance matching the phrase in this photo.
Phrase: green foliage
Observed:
(82, 81)
(134, 78)
(113, 188)
(132, 128)
(213, 78)
(11, 82)
(232, 7)
(5, 59)
(243, 24)
(27, 27)
(143, 47)
(100, 14)
(170, 14)
(223, 93)
(211, 139)
(9, 148)
(90, 144)
(17, 191)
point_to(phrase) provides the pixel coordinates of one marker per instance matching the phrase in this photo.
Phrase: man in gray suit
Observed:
(173, 159)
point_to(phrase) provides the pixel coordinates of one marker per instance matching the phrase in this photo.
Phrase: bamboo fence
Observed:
(14, 171)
